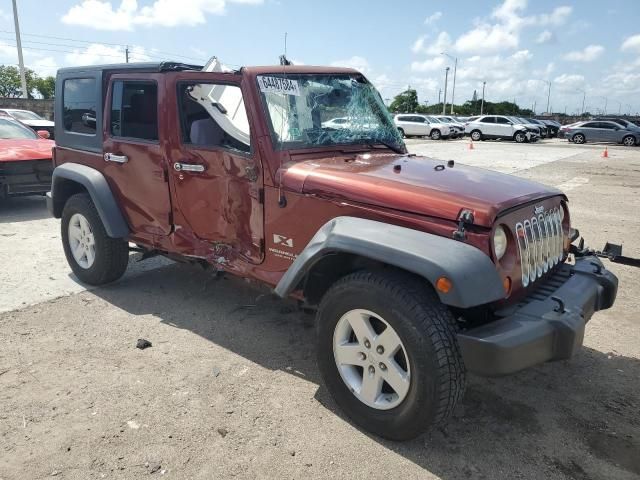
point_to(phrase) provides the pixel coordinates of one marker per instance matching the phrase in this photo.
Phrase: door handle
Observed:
(112, 157)
(188, 167)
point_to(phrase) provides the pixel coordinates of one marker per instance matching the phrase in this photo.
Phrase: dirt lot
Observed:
(230, 387)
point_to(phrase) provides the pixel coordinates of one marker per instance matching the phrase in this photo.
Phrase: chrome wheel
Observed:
(629, 141)
(476, 136)
(81, 241)
(371, 359)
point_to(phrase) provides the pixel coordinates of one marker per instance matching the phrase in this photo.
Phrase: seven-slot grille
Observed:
(540, 244)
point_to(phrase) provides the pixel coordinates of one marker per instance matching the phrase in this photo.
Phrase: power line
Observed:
(63, 38)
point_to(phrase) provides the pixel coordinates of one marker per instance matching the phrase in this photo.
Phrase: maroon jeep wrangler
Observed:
(296, 177)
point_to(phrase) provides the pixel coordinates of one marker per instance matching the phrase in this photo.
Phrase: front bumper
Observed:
(548, 325)
(25, 177)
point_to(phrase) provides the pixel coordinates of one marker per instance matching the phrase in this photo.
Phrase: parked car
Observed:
(455, 127)
(25, 160)
(544, 131)
(601, 131)
(552, 127)
(530, 125)
(420, 270)
(622, 122)
(342, 122)
(31, 119)
(500, 127)
(415, 125)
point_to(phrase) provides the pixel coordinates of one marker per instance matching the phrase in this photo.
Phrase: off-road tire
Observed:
(111, 254)
(435, 134)
(476, 135)
(519, 137)
(578, 138)
(428, 331)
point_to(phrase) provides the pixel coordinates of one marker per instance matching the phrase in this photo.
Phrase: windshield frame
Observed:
(305, 146)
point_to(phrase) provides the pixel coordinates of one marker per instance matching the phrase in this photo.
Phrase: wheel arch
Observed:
(347, 244)
(71, 178)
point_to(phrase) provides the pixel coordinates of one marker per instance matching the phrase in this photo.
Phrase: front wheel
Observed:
(93, 256)
(388, 353)
(520, 137)
(435, 135)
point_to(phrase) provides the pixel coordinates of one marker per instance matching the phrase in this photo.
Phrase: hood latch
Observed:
(465, 218)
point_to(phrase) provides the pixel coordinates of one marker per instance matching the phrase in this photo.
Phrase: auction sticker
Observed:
(279, 85)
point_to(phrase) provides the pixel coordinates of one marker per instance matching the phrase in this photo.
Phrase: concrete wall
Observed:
(43, 108)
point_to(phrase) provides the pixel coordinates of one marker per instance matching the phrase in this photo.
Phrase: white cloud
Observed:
(504, 33)
(433, 18)
(631, 43)
(429, 65)
(96, 54)
(359, 63)
(545, 36)
(101, 15)
(568, 82)
(442, 43)
(588, 54)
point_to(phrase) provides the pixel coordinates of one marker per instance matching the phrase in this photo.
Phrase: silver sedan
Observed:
(601, 131)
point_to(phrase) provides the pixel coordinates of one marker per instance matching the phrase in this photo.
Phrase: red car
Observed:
(25, 160)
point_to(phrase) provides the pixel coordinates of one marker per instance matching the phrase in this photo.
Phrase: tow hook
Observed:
(611, 251)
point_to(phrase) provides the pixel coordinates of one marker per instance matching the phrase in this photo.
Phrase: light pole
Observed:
(455, 70)
(439, 95)
(482, 104)
(548, 94)
(23, 78)
(619, 107)
(584, 96)
(446, 79)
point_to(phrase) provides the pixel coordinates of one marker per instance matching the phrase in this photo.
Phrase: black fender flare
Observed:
(473, 275)
(96, 185)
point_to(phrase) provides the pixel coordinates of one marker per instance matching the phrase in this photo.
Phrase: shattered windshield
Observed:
(311, 110)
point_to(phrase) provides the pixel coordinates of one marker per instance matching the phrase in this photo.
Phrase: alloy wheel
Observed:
(82, 241)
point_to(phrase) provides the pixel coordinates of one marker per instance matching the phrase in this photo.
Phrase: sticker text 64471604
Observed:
(279, 85)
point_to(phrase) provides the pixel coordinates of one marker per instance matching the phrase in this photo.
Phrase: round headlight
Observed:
(499, 242)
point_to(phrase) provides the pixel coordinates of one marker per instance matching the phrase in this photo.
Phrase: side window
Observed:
(419, 119)
(607, 125)
(502, 120)
(488, 120)
(590, 125)
(79, 98)
(214, 115)
(134, 110)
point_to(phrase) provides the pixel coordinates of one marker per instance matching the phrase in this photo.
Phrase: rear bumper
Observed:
(25, 177)
(539, 330)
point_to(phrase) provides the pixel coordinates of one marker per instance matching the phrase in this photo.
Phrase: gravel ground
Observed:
(230, 387)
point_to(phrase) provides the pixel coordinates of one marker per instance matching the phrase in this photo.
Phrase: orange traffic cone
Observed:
(470, 144)
(605, 154)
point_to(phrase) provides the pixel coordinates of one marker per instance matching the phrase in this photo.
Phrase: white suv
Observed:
(410, 125)
(499, 127)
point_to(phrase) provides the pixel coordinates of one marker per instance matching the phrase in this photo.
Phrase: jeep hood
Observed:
(414, 184)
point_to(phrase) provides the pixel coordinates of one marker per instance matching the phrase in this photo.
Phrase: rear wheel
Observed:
(435, 134)
(94, 257)
(578, 138)
(629, 141)
(401, 133)
(388, 353)
(476, 135)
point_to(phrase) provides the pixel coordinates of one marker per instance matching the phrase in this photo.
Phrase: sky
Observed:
(515, 46)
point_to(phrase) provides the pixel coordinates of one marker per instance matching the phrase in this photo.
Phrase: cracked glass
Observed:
(316, 110)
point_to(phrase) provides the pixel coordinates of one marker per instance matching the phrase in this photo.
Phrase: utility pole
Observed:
(126, 53)
(482, 104)
(455, 70)
(534, 107)
(446, 79)
(23, 78)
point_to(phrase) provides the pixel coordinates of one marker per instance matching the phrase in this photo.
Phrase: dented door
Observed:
(216, 174)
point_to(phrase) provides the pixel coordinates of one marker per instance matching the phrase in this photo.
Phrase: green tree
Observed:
(405, 102)
(45, 86)
(10, 81)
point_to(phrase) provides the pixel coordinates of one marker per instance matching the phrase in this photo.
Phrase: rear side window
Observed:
(134, 110)
(79, 99)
